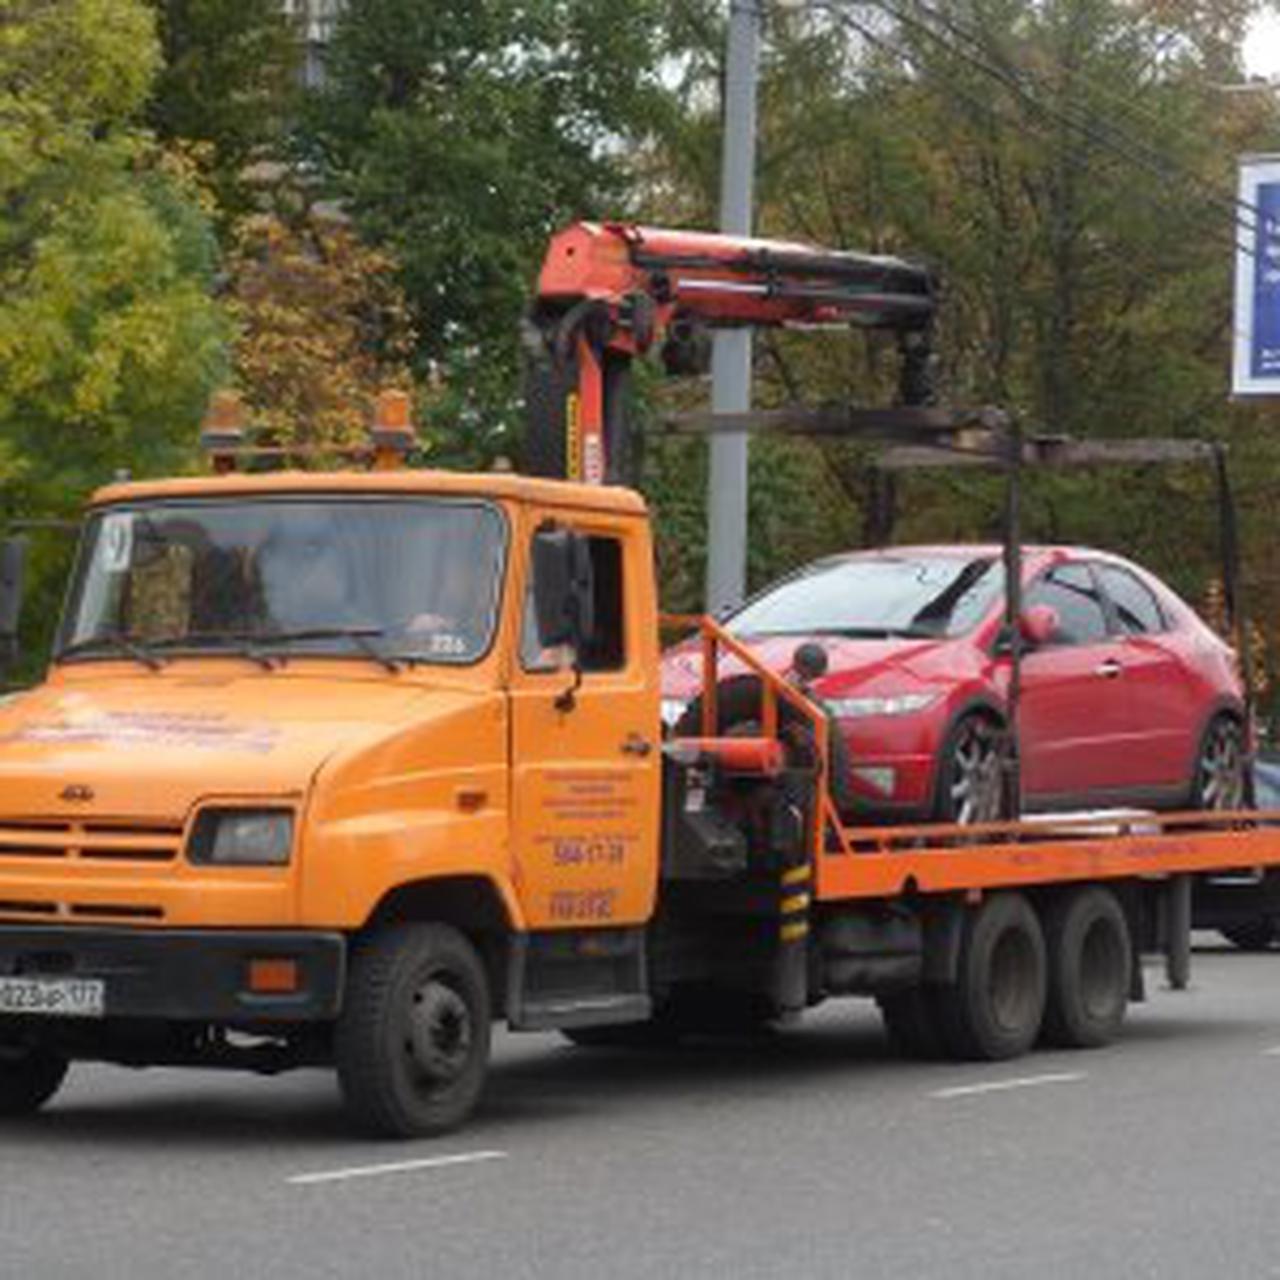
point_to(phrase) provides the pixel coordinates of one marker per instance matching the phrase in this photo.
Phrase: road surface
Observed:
(818, 1155)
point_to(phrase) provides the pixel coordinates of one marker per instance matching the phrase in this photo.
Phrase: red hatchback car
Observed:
(1128, 698)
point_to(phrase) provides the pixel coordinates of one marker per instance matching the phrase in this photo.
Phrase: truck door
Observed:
(586, 776)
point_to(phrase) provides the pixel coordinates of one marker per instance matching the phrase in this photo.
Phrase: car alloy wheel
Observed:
(973, 779)
(1220, 772)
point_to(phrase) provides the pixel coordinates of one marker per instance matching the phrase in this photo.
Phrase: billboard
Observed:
(1256, 364)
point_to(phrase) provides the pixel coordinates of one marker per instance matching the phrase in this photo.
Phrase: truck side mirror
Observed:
(563, 587)
(13, 563)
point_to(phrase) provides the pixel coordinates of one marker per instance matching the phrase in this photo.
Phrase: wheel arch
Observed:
(472, 904)
(975, 703)
(1223, 706)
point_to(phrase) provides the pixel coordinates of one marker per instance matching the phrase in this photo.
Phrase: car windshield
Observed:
(876, 597)
(411, 579)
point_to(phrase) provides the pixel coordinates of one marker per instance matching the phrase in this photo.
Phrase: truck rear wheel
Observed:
(1090, 963)
(994, 1008)
(412, 1043)
(28, 1079)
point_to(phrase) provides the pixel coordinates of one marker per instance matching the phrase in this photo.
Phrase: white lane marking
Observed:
(999, 1086)
(399, 1166)
(1273, 1052)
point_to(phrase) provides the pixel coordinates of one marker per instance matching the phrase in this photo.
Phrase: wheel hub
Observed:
(439, 1032)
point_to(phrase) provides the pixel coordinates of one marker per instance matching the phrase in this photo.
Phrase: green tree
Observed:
(227, 87)
(459, 135)
(109, 341)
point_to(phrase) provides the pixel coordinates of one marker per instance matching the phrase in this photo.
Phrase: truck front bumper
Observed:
(195, 975)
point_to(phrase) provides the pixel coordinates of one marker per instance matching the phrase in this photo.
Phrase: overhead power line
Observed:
(1168, 169)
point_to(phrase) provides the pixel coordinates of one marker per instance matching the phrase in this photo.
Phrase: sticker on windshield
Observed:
(117, 542)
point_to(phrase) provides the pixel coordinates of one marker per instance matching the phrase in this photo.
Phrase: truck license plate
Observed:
(54, 997)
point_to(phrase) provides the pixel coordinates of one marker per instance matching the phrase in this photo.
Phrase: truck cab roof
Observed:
(503, 486)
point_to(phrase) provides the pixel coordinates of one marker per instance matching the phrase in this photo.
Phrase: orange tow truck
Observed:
(342, 767)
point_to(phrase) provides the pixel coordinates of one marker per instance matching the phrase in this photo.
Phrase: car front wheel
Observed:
(969, 785)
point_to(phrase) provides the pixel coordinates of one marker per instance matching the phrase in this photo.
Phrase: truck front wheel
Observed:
(28, 1079)
(412, 1043)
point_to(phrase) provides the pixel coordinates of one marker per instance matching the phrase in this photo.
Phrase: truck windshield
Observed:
(896, 594)
(411, 579)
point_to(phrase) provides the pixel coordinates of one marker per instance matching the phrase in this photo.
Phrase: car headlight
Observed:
(902, 704)
(242, 838)
(672, 710)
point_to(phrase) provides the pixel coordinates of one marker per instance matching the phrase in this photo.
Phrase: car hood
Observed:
(150, 746)
(851, 663)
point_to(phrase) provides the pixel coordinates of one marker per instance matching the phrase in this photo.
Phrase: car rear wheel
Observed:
(1220, 766)
(969, 785)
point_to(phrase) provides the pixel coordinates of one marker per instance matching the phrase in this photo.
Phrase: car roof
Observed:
(968, 550)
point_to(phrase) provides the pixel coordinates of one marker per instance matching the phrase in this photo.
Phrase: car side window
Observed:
(1136, 608)
(1071, 591)
(606, 651)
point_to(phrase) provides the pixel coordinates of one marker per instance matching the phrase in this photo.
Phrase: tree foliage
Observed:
(460, 135)
(322, 327)
(1068, 168)
(227, 87)
(108, 338)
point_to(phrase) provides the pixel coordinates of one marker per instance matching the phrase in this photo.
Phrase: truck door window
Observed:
(606, 650)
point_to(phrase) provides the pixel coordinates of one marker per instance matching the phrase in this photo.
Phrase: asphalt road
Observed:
(818, 1155)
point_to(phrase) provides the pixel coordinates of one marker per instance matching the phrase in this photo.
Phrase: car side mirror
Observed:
(13, 563)
(563, 588)
(1038, 624)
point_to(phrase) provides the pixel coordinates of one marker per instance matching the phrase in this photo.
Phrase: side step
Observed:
(577, 978)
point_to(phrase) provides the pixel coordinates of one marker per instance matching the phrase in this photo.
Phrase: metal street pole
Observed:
(731, 353)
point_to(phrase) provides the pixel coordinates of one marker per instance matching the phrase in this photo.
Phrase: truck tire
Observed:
(1251, 935)
(1090, 968)
(412, 1043)
(28, 1079)
(911, 1020)
(994, 1009)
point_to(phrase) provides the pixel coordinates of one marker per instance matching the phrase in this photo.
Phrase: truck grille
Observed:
(99, 840)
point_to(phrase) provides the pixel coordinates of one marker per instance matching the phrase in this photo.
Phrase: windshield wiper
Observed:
(238, 643)
(366, 639)
(116, 642)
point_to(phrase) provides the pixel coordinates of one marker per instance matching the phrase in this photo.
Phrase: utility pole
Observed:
(731, 352)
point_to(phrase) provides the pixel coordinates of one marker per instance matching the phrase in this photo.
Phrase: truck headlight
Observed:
(242, 838)
(903, 704)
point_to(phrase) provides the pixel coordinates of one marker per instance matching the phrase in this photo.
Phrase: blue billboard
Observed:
(1256, 367)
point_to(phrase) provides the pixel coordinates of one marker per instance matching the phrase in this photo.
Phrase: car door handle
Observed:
(1109, 669)
(634, 745)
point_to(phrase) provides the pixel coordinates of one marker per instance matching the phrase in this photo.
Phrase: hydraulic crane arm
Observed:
(608, 293)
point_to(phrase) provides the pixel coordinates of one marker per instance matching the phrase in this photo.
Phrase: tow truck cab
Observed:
(291, 713)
